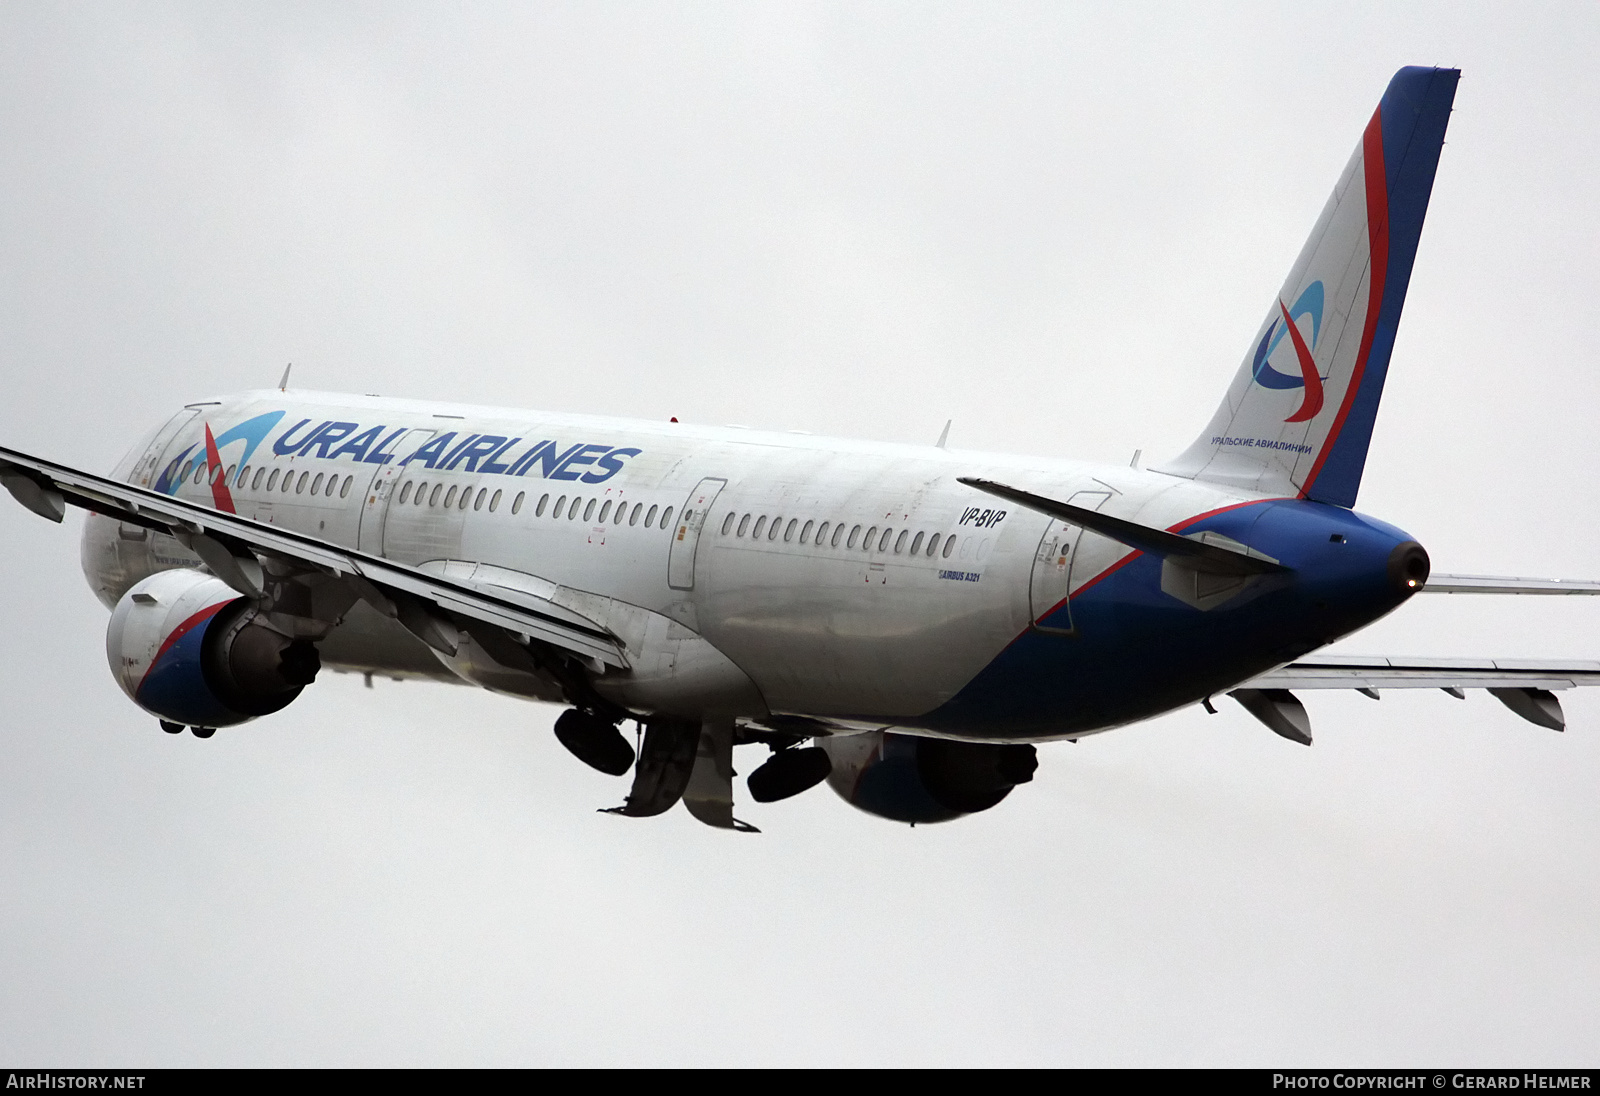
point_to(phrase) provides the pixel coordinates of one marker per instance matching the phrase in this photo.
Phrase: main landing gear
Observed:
(595, 742)
(178, 728)
(692, 762)
(788, 773)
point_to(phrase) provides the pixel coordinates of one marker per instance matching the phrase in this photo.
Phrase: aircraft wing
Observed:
(1371, 672)
(252, 557)
(1526, 686)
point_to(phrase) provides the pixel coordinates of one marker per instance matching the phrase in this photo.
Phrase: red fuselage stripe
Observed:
(178, 633)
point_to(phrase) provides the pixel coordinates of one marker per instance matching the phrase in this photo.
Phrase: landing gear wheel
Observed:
(171, 727)
(595, 742)
(203, 732)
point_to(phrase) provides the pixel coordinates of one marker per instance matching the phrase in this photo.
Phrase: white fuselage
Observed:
(854, 582)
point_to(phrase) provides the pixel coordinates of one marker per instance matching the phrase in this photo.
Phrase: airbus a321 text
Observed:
(901, 621)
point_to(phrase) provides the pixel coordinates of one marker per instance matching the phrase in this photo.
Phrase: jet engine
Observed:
(188, 649)
(910, 779)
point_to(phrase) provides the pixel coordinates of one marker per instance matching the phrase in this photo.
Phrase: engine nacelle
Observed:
(910, 779)
(186, 648)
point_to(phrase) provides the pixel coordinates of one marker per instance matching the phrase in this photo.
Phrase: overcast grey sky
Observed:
(1057, 224)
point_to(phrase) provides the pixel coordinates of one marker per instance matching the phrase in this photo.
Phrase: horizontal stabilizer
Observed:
(1499, 584)
(1201, 555)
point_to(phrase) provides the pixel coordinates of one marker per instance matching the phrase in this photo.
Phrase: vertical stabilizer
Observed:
(1298, 417)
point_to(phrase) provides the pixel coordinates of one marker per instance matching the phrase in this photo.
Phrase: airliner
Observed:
(901, 622)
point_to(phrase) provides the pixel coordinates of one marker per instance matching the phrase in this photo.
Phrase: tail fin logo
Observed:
(1309, 303)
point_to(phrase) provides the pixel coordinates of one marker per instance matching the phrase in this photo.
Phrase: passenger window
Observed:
(805, 534)
(216, 475)
(299, 488)
(231, 467)
(538, 511)
(772, 530)
(572, 509)
(837, 529)
(633, 518)
(256, 483)
(272, 480)
(933, 545)
(516, 503)
(316, 485)
(288, 481)
(477, 503)
(855, 532)
(666, 517)
(605, 512)
(405, 492)
(244, 476)
(744, 525)
(199, 472)
(949, 546)
(560, 505)
(866, 542)
(422, 491)
(494, 503)
(650, 517)
(788, 533)
(761, 523)
(588, 511)
(433, 496)
(727, 523)
(916, 545)
(900, 541)
(344, 492)
(450, 496)
(883, 545)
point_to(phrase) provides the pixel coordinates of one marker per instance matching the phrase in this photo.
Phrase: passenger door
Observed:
(686, 534)
(375, 505)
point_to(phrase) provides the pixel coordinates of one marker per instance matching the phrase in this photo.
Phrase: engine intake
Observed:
(187, 649)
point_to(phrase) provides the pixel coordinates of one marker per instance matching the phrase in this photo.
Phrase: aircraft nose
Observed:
(1408, 567)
